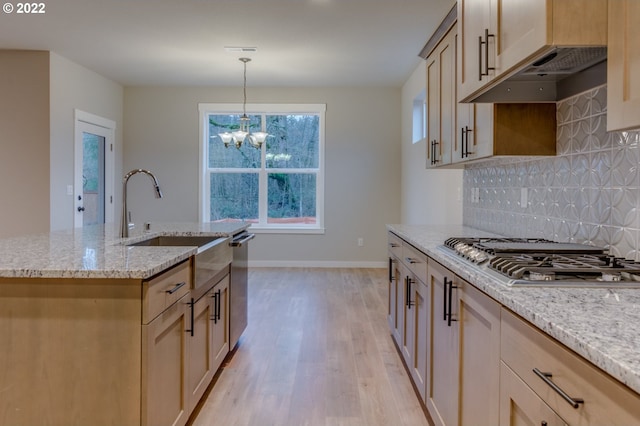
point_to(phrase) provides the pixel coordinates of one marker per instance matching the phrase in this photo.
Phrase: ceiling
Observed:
(181, 42)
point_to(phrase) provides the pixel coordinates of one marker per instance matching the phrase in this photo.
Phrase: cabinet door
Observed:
(394, 292)
(220, 320)
(421, 298)
(200, 371)
(522, 31)
(520, 406)
(442, 389)
(165, 354)
(623, 65)
(479, 319)
(441, 102)
(408, 315)
(474, 20)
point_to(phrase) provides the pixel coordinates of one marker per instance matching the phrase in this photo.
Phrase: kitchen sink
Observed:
(211, 261)
(176, 241)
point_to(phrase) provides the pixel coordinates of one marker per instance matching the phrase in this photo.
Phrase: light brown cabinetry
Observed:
(442, 389)
(623, 65)
(108, 351)
(577, 391)
(441, 100)
(500, 36)
(395, 307)
(220, 330)
(460, 132)
(520, 406)
(479, 319)
(165, 359)
(409, 307)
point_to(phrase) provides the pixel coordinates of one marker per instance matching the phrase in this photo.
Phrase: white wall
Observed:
(76, 87)
(362, 166)
(427, 196)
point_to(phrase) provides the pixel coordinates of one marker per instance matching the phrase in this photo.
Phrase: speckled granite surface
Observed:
(98, 252)
(602, 325)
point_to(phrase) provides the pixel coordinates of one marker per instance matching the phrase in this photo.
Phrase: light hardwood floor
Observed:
(317, 351)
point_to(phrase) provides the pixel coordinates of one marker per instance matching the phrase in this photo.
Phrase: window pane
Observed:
(293, 141)
(292, 198)
(234, 196)
(219, 156)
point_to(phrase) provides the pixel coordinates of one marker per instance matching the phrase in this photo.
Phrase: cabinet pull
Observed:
(546, 377)
(218, 300)
(216, 306)
(465, 147)
(191, 316)
(450, 314)
(176, 287)
(391, 276)
(407, 289)
(394, 245)
(486, 54)
(444, 299)
(411, 260)
(462, 134)
(446, 306)
(435, 151)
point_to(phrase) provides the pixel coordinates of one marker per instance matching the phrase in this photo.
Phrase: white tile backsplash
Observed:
(588, 193)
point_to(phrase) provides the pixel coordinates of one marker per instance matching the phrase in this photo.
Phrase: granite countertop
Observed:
(598, 324)
(98, 252)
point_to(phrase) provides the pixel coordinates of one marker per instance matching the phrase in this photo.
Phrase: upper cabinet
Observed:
(441, 100)
(498, 37)
(623, 66)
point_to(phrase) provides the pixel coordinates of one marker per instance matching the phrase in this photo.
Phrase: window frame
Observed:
(204, 181)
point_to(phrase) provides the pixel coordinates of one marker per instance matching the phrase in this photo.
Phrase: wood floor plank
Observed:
(317, 351)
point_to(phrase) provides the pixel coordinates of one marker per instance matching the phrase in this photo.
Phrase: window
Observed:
(419, 119)
(279, 187)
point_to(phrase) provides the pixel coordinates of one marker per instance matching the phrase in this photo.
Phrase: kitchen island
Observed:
(96, 331)
(598, 324)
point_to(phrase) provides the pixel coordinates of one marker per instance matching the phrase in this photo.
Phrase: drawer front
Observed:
(394, 245)
(164, 290)
(415, 260)
(605, 400)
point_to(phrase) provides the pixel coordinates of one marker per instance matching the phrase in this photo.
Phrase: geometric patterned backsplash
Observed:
(588, 193)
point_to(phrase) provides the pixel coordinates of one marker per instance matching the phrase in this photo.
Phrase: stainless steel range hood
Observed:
(557, 74)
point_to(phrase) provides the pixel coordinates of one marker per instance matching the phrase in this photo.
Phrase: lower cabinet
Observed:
(519, 405)
(220, 327)
(442, 388)
(572, 388)
(479, 321)
(164, 360)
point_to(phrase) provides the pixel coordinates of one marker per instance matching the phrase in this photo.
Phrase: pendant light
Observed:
(256, 139)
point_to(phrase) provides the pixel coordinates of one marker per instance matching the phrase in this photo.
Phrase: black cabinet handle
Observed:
(216, 306)
(546, 377)
(444, 299)
(447, 301)
(450, 314)
(407, 289)
(487, 68)
(176, 287)
(218, 300)
(391, 276)
(191, 315)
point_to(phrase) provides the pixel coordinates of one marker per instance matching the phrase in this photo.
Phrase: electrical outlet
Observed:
(360, 242)
(523, 198)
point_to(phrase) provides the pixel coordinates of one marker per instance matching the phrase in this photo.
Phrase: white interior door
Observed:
(93, 174)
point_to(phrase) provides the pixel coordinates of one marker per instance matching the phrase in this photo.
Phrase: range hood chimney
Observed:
(557, 74)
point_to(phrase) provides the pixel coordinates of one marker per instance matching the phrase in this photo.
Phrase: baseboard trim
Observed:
(314, 264)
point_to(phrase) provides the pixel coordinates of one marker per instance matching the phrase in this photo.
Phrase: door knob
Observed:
(80, 208)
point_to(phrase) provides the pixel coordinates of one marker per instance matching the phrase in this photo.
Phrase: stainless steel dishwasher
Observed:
(238, 291)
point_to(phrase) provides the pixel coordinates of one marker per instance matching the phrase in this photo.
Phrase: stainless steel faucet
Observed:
(124, 224)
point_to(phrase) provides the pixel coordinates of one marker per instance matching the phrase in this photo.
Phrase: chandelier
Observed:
(256, 139)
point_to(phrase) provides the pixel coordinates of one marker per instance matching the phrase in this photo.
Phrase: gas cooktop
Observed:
(540, 262)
